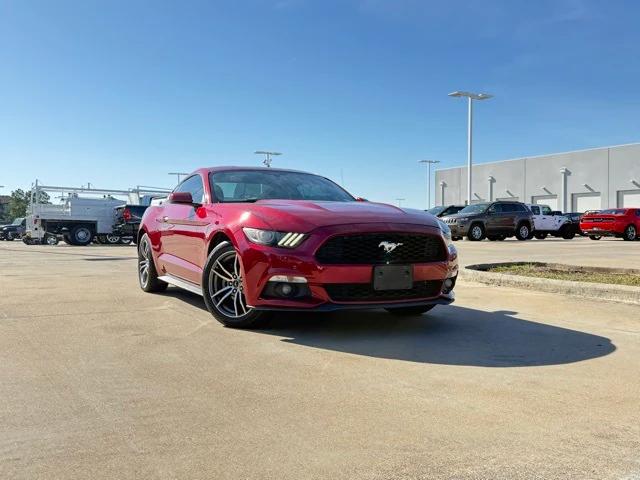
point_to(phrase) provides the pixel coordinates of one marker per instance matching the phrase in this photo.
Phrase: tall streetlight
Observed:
(400, 200)
(471, 97)
(178, 174)
(267, 156)
(428, 163)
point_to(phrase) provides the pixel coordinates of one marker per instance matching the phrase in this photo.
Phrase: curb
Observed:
(616, 293)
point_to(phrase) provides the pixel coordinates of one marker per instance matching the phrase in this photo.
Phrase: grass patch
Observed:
(544, 271)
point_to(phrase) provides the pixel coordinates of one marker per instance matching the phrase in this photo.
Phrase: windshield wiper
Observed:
(244, 200)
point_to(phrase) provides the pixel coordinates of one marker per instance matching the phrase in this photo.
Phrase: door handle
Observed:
(165, 219)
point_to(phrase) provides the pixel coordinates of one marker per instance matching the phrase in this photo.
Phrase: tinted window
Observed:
(194, 186)
(253, 185)
(638, 213)
(452, 210)
(546, 210)
(475, 208)
(509, 207)
(535, 209)
(614, 211)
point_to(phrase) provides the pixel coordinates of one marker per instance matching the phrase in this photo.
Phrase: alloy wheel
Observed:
(143, 262)
(524, 231)
(476, 232)
(631, 232)
(226, 287)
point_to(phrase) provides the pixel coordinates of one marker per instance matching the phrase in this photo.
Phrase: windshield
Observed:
(254, 185)
(436, 210)
(475, 208)
(17, 221)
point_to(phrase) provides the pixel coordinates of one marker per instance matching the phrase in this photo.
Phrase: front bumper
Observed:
(261, 263)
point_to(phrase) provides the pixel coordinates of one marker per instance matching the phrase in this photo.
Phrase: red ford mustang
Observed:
(254, 240)
(615, 222)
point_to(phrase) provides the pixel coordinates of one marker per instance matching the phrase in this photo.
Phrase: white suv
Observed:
(546, 222)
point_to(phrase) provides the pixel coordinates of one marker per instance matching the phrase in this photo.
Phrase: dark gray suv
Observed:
(493, 220)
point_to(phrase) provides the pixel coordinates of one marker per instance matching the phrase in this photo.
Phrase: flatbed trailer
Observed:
(84, 214)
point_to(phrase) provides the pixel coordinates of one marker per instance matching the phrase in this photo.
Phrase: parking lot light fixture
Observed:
(267, 156)
(428, 163)
(635, 182)
(400, 200)
(470, 97)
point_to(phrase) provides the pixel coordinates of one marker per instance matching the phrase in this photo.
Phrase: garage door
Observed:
(582, 202)
(551, 200)
(629, 198)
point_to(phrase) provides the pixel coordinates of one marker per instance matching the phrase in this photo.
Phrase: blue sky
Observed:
(119, 93)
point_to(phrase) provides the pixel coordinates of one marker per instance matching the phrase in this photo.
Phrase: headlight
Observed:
(463, 220)
(446, 231)
(274, 239)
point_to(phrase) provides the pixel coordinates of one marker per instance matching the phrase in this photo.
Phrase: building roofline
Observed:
(544, 155)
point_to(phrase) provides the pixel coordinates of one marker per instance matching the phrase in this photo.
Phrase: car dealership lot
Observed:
(102, 381)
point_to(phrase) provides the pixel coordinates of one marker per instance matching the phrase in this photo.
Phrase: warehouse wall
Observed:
(600, 177)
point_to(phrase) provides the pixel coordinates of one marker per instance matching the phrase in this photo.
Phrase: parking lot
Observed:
(100, 380)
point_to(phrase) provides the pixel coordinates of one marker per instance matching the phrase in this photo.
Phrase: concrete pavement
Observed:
(100, 380)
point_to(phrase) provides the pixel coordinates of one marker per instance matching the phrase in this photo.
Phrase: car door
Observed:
(538, 224)
(547, 220)
(494, 219)
(183, 232)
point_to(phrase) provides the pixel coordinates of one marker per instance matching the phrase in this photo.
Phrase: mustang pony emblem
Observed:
(389, 246)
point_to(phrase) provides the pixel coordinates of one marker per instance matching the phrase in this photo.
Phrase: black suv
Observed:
(445, 210)
(493, 220)
(13, 230)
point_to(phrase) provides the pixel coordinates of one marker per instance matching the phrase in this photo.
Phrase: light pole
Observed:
(178, 174)
(267, 156)
(400, 200)
(471, 97)
(428, 163)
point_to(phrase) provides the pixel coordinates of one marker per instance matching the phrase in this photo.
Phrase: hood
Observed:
(302, 215)
(463, 215)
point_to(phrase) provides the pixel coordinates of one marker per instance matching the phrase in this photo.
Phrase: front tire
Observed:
(147, 273)
(595, 237)
(630, 233)
(476, 232)
(540, 236)
(223, 288)
(112, 239)
(409, 311)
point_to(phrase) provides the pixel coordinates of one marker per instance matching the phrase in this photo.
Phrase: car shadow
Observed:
(449, 335)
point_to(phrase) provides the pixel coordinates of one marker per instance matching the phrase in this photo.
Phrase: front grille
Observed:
(367, 249)
(363, 292)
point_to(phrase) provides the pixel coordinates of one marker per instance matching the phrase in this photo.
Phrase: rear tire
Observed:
(540, 236)
(595, 237)
(523, 232)
(223, 289)
(630, 233)
(147, 273)
(81, 236)
(409, 311)
(51, 239)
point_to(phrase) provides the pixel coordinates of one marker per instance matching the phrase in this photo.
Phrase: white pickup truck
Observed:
(547, 222)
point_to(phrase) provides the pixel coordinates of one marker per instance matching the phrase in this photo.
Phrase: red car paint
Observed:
(182, 236)
(617, 222)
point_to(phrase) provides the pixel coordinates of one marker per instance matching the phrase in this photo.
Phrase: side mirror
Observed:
(180, 197)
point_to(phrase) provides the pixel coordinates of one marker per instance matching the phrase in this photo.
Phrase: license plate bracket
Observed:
(392, 277)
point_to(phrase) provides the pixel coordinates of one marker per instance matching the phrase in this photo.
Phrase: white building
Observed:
(593, 179)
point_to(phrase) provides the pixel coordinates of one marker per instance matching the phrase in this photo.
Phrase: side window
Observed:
(546, 210)
(509, 208)
(638, 213)
(535, 209)
(496, 208)
(194, 186)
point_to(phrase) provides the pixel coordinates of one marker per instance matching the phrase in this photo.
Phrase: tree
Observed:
(20, 201)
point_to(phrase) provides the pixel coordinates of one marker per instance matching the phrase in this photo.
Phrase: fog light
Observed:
(448, 284)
